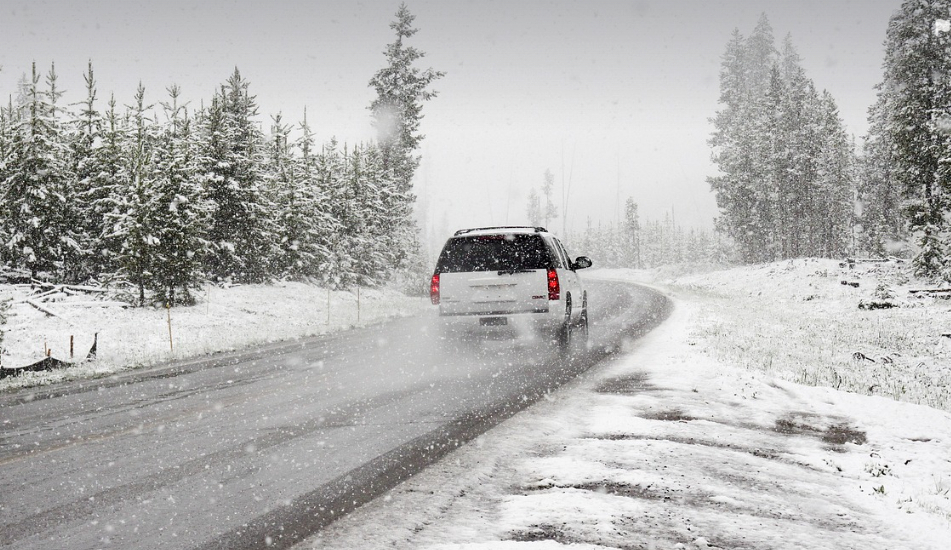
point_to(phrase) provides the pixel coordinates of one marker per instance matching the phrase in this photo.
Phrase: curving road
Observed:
(264, 448)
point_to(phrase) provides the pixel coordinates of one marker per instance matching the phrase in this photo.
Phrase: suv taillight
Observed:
(434, 289)
(554, 288)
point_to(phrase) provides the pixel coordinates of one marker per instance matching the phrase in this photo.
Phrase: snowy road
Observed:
(267, 447)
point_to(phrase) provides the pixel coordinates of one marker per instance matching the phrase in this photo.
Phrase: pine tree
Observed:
(317, 221)
(915, 93)
(7, 159)
(134, 202)
(735, 187)
(105, 194)
(367, 222)
(879, 193)
(303, 223)
(397, 110)
(67, 228)
(37, 183)
(548, 190)
(281, 172)
(90, 190)
(330, 168)
(632, 231)
(242, 234)
(534, 208)
(401, 88)
(179, 214)
(835, 184)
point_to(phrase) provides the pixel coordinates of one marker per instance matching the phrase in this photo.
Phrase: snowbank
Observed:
(224, 319)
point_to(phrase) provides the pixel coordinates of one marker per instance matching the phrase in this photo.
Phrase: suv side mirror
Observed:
(581, 263)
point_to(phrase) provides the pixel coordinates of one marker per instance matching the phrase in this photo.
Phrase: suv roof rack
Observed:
(537, 229)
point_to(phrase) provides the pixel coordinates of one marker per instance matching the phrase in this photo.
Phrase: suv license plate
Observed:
(493, 321)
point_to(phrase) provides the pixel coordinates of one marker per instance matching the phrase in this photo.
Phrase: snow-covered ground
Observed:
(699, 436)
(224, 319)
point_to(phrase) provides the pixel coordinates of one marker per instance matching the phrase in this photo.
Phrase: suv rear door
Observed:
(494, 274)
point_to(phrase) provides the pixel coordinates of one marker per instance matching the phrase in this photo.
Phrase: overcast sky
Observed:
(613, 97)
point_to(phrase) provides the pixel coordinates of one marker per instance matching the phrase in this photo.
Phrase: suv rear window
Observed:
(494, 253)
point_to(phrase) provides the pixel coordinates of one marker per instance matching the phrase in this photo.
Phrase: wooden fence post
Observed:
(168, 308)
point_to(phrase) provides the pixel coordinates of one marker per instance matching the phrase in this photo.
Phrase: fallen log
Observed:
(96, 303)
(43, 294)
(876, 304)
(50, 312)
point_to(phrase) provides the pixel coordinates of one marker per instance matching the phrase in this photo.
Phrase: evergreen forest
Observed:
(162, 196)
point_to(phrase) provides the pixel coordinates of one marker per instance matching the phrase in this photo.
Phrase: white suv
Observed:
(503, 278)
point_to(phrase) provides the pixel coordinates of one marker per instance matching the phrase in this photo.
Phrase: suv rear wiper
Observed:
(514, 270)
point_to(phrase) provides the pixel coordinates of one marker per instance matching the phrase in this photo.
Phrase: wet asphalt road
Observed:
(266, 447)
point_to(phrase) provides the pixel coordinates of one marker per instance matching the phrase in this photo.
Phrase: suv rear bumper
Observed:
(501, 322)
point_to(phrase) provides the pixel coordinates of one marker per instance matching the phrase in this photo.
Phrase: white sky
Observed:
(613, 97)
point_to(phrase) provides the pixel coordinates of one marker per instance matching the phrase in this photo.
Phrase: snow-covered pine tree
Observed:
(401, 88)
(105, 196)
(132, 220)
(302, 226)
(759, 57)
(791, 160)
(733, 187)
(242, 235)
(632, 233)
(879, 193)
(7, 159)
(548, 191)
(394, 221)
(743, 139)
(835, 184)
(282, 180)
(368, 223)
(915, 94)
(179, 216)
(317, 224)
(533, 211)
(87, 128)
(330, 168)
(37, 178)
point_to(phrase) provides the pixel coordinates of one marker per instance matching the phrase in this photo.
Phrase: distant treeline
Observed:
(644, 244)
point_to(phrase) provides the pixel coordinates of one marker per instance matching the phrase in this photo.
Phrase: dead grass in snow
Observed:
(798, 321)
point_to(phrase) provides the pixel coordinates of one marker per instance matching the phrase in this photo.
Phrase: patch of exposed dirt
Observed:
(627, 385)
(840, 434)
(837, 433)
(622, 490)
(771, 454)
(671, 415)
(542, 532)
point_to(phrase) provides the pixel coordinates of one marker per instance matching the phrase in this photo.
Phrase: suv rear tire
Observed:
(582, 337)
(566, 330)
